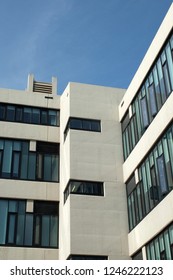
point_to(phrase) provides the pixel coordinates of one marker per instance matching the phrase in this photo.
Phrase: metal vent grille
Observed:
(42, 87)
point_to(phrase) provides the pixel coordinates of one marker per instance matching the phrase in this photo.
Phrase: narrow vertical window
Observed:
(144, 111)
(153, 105)
(162, 175)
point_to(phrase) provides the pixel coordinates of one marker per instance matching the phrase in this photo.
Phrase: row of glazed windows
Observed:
(28, 229)
(161, 247)
(83, 188)
(18, 162)
(155, 180)
(153, 93)
(82, 124)
(32, 115)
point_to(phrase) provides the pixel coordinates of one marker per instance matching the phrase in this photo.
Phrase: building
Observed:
(89, 174)
(147, 129)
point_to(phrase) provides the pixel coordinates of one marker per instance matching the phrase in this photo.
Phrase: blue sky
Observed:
(89, 41)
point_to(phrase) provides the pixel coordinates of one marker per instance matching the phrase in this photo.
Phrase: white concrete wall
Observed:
(96, 225)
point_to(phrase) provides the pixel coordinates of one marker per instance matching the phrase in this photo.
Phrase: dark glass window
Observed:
(2, 112)
(37, 229)
(27, 115)
(10, 113)
(17, 162)
(84, 188)
(33, 115)
(82, 124)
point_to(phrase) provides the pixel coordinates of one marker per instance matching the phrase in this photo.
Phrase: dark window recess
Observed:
(32, 115)
(83, 124)
(37, 229)
(87, 257)
(84, 188)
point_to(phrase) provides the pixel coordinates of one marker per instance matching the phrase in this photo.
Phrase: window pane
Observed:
(47, 168)
(2, 112)
(86, 125)
(95, 126)
(27, 115)
(52, 117)
(20, 229)
(37, 229)
(161, 81)
(152, 100)
(10, 113)
(28, 230)
(11, 228)
(13, 206)
(7, 159)
(75, 124)
(19, 114)
(45, 231)
(16, 146)
(35, 116)
(162, 175)
(32, 166)
(53, 231)
(144, 112)
(166, 78)
(16, 162)
(3, 220)
(76, 187)
(170, 63)
(39, 166)
(55, 168)
(44, 120)
(24, 160)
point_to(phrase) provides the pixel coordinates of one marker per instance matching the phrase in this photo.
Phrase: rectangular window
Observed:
(37, 229)
(84, 188)
(17, 162)
(10, 113)
(26, 114)
(83, 124)
(153, 105)
(144, 111)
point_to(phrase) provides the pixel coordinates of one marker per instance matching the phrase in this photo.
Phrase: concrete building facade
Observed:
(89, 174)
